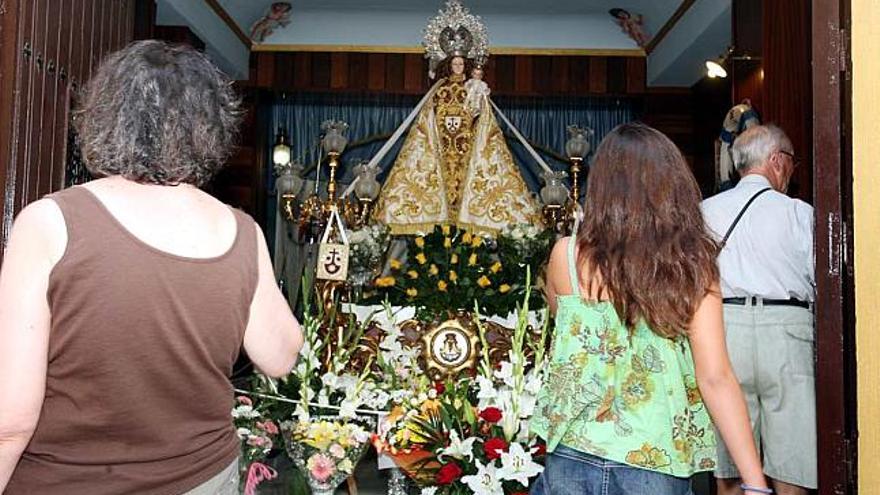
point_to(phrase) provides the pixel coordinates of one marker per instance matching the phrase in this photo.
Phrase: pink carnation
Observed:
(268, 426)
(242, 399)
(321, 467)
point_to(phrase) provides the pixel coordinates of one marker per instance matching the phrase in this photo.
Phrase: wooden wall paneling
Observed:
(748, 82)
(598, 75)
(787, 81)
(339, 70)
(394, 72)
(524, 74)
(265, 73)
(542, 75)
(376, 71)
(145, 20)
(505, 74)
(616, 75)
(320, 70)
(636, 75)
(302, 68)
(490, 73)
(579, 75)
(415, 73)
(357, 71)
(560, 74)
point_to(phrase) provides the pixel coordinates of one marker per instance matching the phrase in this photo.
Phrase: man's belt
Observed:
(753, 301)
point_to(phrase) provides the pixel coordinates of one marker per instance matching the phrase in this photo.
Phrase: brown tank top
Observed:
(142, 343)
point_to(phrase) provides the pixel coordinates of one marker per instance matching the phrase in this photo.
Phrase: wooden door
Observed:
(832, 194)
(47, 49)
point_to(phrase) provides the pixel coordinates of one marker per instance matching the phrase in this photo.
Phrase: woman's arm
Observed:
(557, 281)
(37, 242)
(720, 389)
(273, 337)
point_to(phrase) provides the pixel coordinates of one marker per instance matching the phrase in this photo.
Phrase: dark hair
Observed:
(619, 13)
(445, 67)
(157, 113)
(643, 233)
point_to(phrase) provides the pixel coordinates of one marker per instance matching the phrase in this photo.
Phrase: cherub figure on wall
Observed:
(631, 24)
(277, 15)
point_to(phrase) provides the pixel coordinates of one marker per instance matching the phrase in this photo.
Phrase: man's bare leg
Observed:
(728, 486)
(783, 488)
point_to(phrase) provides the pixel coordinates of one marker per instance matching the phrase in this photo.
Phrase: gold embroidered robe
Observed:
(454, 169)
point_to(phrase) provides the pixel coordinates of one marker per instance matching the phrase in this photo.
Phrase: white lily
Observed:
(505, 373)
(485, 482)
(517, 465)
(458, 448)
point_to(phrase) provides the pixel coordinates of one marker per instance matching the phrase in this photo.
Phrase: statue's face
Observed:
(477, 73)
(457, 66)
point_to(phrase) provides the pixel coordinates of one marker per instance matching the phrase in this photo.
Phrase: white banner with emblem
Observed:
(333, 256)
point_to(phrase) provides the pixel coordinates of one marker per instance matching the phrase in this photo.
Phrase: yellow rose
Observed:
(466, 238)
(504, 288)
(395, 264)
(420, 242)
(496, 267)
(472, 260)
(453, 259)
(441, 285)
(433, 270)
(413, 274)
(477, 241)
(453, 276)
(447, 242)
(385, 282)
(421, 258)
(484, 281)
(445, 229)
(412, 292)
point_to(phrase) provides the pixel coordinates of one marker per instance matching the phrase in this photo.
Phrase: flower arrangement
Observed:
(474, 434)
(447, 269)
(258, 435)
(327, 450)
(368, 245)
(256, 432)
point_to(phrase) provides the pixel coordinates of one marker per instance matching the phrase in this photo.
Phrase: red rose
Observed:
(541, 449)
(494, 447)
(439, 387)
(448, 473)
(491, 414)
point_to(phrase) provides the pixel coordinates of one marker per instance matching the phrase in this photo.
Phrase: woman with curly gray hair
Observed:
(124, 302)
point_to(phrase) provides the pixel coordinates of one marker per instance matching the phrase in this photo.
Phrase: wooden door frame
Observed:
(832, 194)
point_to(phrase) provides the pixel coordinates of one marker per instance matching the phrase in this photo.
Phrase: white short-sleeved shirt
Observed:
(770, 252)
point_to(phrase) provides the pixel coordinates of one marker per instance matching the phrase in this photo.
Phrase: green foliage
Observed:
(448, 269)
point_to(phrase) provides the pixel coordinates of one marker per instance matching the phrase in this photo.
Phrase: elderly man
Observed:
(767, 284)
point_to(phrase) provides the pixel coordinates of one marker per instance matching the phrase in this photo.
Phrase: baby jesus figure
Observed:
(477, 89)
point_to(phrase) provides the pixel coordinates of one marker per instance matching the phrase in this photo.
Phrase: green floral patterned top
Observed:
(628, 399)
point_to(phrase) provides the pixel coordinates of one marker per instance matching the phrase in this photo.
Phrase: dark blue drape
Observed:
(372, 119)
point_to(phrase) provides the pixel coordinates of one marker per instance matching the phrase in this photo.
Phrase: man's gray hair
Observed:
(753, 147)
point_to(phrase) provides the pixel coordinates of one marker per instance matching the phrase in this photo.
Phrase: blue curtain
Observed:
(372, 119)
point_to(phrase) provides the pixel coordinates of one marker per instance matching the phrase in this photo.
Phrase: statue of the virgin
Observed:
(454, 166)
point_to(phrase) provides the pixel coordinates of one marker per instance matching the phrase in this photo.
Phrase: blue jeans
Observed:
(570, 472)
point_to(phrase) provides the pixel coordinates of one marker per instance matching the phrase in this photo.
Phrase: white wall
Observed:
(404, 28)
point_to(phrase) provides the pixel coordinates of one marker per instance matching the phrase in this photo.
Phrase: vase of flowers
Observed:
(326, 449)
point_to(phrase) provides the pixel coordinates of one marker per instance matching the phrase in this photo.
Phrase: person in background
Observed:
(124, 302)
(767, 285)
(639, 361)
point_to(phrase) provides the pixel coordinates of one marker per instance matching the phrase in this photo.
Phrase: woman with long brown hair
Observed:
(639, 360)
